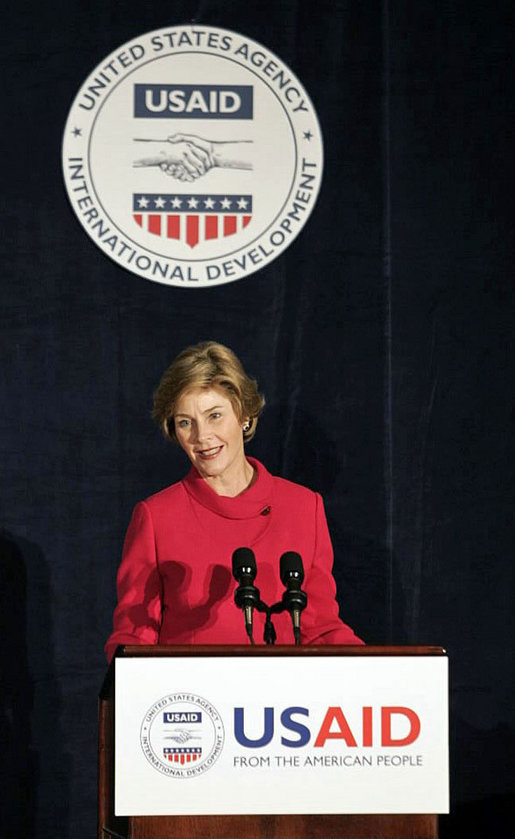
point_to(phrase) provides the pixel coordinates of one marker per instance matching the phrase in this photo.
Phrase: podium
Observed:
(277, 742)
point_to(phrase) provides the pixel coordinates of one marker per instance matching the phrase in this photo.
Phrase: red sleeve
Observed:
(137, 616)
(320, 621)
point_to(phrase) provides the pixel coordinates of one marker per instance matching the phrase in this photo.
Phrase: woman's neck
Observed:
(233, 482)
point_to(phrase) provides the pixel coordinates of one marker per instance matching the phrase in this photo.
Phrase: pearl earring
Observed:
(246, 426)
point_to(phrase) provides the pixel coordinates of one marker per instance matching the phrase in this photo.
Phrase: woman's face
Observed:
(209, 431)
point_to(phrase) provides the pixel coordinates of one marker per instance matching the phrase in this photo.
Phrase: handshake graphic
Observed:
(188, 157)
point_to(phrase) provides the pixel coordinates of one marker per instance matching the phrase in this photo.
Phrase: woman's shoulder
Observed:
(175, 493)
(282, 487)
(293, 492)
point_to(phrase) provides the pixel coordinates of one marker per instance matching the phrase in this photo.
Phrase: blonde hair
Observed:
(207, 365)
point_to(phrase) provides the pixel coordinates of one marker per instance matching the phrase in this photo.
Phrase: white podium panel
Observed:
(279, 735)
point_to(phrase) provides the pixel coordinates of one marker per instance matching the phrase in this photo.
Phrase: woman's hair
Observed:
(207, 365)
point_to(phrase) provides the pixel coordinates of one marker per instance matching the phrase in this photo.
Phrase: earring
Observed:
(246, 426)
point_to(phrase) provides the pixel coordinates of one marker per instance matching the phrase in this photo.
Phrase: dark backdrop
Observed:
(381, 340)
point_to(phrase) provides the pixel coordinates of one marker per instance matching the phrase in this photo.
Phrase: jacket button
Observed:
(265, 511)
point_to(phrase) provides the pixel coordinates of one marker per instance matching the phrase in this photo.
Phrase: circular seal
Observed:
(192, 156)
(182, 735)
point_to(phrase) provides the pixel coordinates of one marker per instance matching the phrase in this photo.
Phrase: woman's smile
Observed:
(209, 454)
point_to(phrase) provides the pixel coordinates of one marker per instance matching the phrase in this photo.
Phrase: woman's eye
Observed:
(215, 415)
(183, 423)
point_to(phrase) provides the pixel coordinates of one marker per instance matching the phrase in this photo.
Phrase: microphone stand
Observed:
(247, 598)
(269, 632)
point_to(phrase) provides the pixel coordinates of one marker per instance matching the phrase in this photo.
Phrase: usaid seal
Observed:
(182, 735)
(192, 156)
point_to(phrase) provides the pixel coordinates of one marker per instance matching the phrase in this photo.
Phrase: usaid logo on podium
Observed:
(182, 735)
(192, 156)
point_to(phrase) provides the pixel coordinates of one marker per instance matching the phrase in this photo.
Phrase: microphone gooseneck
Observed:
(294, 599)
(246, 596)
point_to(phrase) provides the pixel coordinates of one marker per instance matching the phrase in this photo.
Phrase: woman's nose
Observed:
(202, 431)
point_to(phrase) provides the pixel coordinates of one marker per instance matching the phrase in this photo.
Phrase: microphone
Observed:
(294, 599)
(246, 596)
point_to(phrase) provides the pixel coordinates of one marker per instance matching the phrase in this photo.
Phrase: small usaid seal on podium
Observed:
(192, 156)
(182, 735)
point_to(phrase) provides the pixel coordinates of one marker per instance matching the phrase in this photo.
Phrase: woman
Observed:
(174, 583)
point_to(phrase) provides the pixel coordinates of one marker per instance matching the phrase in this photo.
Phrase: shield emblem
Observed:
(192, 219)
(182, 755)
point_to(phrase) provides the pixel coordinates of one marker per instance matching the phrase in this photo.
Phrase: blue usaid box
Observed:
(187, 101)
(182, 716)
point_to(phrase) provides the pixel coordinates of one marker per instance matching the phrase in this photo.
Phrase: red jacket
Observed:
(175, 584)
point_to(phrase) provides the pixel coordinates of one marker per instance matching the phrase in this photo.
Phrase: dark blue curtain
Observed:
(381, 339)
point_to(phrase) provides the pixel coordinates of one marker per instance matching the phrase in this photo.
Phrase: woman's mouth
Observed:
(209, 454)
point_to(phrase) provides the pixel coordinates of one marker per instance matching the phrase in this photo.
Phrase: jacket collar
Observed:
(254, 501)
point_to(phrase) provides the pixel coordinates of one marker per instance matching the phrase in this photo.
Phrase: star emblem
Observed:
(77, 132)
(192, 203)
(142, 202)
(307, 135)
(242, 204)
(176, 202)
(225, 203)
(209, 203)
(159, 202)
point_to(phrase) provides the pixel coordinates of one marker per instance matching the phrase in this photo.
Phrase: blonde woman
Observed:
(174, 583)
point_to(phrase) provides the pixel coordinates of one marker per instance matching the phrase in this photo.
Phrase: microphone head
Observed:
(291, 568)
(243, 563)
